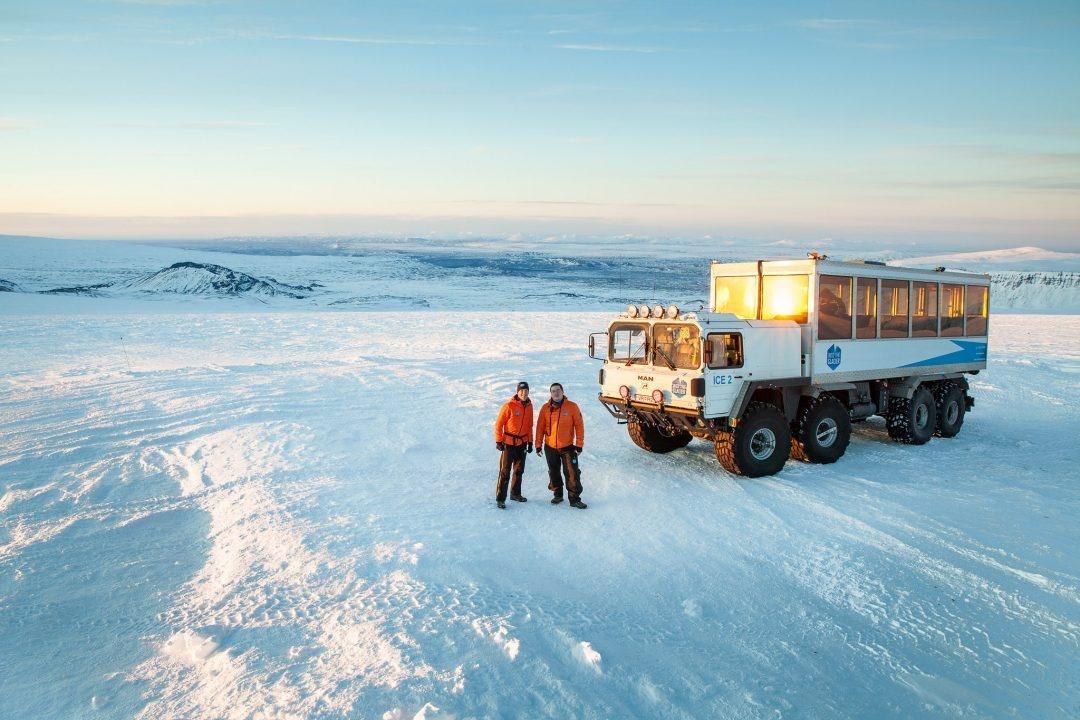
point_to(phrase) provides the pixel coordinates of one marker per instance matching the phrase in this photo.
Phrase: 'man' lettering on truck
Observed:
(791, 353)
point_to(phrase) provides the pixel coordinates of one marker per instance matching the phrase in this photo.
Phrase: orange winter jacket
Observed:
(560, 427)
(515, 422)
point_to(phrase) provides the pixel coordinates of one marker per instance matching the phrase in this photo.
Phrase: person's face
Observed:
(557, 394)
(522, 394)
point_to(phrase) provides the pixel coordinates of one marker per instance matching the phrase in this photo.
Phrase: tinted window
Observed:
(865, 308)
(679, 343)
(834, 307)
(784, 297)
(627, 341)
(737, 295)
(977, 306)
(725, 350)
(952, 310)
(923, 309)
(894, 308)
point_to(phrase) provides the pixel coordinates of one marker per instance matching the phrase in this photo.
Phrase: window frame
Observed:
(756, 315)
(742, 350)
(935, 332)
(963, 308)
(876, 325)
(644, 327)
(850, 308)
(986, 305)
(907, 304)
(655, 342)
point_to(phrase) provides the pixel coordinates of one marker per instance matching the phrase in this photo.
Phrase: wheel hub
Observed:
(762, 443)
(825, 432)
(952, 413)
(922, 414)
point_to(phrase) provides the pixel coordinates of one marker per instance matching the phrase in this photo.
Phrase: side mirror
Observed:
(592, 346)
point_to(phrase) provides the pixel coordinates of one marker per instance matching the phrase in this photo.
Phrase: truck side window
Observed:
(725, 350)
(924, 309)
(866, 308)
(834, 307)
(952, 310)
(977, 307)
(894, 308)
(628, 341)
(736, 295)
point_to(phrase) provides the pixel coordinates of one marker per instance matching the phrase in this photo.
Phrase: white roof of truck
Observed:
(811, 266)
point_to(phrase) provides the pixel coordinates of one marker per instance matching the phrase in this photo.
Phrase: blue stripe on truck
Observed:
(969, 352)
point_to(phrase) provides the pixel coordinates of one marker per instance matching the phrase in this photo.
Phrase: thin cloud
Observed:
(834, 24)
(609, 48)
(15, 124)
(368, 40)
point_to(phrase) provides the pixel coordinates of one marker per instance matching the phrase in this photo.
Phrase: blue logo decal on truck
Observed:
(678, 387)
(832, 357)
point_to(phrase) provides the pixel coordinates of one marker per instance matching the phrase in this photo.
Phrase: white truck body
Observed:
(787, 333)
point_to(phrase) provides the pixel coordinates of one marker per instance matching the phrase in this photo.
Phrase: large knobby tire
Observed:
(822, 431)
(650, 438)
(759, 445)
(913, 421)
(951, 407)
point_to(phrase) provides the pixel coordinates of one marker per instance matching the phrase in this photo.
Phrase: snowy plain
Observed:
(220, 508)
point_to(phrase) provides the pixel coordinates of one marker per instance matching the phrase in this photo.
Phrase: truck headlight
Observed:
(631, 310)
(643, 311)
(672, 312)
(658, 396)
(624, 392)
(658, 311)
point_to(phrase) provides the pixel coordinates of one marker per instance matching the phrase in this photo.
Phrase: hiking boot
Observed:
(500, 504)
(578, 504)
(556, 500)
(519, 498)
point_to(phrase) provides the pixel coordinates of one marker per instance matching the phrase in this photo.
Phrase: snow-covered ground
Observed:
(289, 514)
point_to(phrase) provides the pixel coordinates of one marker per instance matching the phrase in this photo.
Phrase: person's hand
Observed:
(577, 449)
(540, 449)
(528, 448)
(500, 445)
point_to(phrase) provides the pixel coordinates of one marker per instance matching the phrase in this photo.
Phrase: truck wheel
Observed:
(822, 431)
(913, 421)
(949, 398)
(650, 438)
(759, 445)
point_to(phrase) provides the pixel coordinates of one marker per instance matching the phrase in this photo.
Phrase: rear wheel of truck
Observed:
(949, 398)
(822, 431)
(913, 421)
(759, 445)
(648, 437)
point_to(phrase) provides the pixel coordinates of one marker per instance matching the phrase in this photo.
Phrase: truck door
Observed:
(723, 371)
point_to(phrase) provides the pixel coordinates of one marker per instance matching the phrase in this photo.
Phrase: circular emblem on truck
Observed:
(678, 387)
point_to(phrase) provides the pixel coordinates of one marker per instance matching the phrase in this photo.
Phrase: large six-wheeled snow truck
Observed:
(791, 353)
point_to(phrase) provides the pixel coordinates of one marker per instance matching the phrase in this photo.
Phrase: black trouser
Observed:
(563, 462)
(513, 459)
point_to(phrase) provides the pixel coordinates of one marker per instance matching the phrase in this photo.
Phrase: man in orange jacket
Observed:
(560, 434)
(513, 438)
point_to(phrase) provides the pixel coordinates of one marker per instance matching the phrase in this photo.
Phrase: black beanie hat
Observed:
(523, 385)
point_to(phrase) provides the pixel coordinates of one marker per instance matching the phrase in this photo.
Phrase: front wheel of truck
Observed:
(759, 445)
(648, 437)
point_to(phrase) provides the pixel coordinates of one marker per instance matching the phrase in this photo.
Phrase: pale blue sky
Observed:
(953, 123)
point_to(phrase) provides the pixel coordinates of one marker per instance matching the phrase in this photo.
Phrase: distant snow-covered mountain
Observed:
(1056, 292)
(1018, 258)
(192, 278)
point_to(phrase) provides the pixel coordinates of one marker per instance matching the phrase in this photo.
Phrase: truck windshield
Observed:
(680, 343)
(628, 342)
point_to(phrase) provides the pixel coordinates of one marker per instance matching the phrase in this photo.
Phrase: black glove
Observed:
(540, 449)
(577, 449)
(528, 448)
(501, 446)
